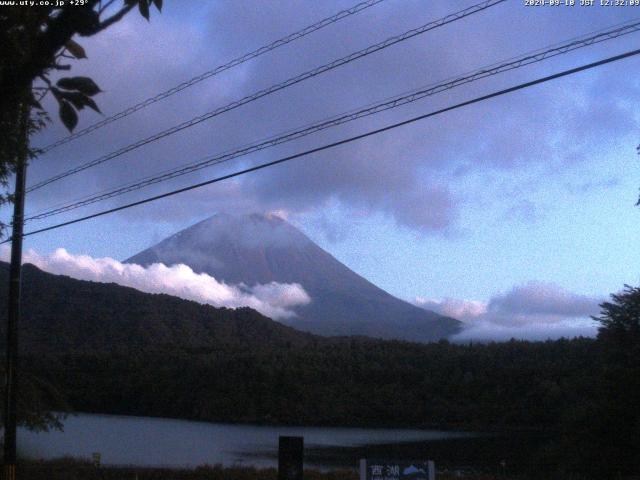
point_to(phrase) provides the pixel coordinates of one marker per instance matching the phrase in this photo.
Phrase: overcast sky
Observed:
(495, 209)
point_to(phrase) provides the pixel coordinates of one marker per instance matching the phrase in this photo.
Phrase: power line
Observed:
(610, 30)
(275, 88)
(219, 69)
(523, 60)
(342, 142)
(593, 37)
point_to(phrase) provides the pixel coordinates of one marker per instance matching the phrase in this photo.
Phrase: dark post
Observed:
(13, 317)
(290, 458)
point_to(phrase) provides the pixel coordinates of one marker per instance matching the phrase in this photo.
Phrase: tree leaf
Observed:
(75, 49)
(143, 6)
(56, 93)
(82, 84)
(91, 104)
(68, 115)
(158, 4)
(77, 99)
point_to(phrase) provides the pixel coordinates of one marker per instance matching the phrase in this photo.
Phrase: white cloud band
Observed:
(275, 300)
(535, 311)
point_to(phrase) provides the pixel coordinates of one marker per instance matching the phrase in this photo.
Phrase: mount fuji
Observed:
(258, 249)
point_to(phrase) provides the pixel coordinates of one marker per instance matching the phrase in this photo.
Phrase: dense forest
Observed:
(361, 382)
(565, 390)
(172, 358)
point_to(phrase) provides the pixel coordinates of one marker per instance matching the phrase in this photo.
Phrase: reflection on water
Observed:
(144, 441)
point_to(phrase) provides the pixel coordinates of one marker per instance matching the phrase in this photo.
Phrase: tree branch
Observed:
(116, 17)
(106, 5)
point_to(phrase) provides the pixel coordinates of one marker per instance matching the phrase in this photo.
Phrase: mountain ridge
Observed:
(62, 314)
(258, 249)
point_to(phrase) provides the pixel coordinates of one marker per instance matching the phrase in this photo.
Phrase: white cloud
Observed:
(543, 299)
(535, 311)
(463, 310)
(275, 300)
(279, 213)
(485, 330)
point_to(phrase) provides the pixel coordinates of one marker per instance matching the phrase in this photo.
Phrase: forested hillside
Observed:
(62, 315)
(110, 349)
(360, 382)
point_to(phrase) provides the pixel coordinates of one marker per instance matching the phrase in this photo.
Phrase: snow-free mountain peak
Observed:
(258, 249)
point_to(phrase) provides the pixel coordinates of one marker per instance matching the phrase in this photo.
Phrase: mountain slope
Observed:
(61, 314)
(260, 249)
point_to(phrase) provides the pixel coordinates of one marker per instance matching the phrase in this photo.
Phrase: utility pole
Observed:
(13, 317)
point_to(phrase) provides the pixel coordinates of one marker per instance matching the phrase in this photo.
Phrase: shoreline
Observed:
(470, 429)
(69, 468)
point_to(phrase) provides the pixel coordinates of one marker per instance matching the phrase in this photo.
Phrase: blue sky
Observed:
(531, 193)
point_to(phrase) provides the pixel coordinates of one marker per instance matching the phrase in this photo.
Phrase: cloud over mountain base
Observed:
(275, 300)
(535, 311)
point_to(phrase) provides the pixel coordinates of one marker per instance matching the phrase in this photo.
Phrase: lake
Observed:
(143, 441)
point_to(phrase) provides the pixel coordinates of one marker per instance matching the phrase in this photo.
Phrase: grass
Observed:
(75, 469)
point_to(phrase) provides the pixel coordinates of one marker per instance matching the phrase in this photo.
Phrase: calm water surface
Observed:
(178, 443)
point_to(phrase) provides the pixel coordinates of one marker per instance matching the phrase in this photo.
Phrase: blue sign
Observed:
(397, 470)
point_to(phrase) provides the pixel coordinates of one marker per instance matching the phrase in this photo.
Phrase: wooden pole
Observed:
(13, 317)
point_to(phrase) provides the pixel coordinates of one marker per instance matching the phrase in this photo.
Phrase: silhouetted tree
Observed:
(37, 40)
(620, 319)
(614, 422)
